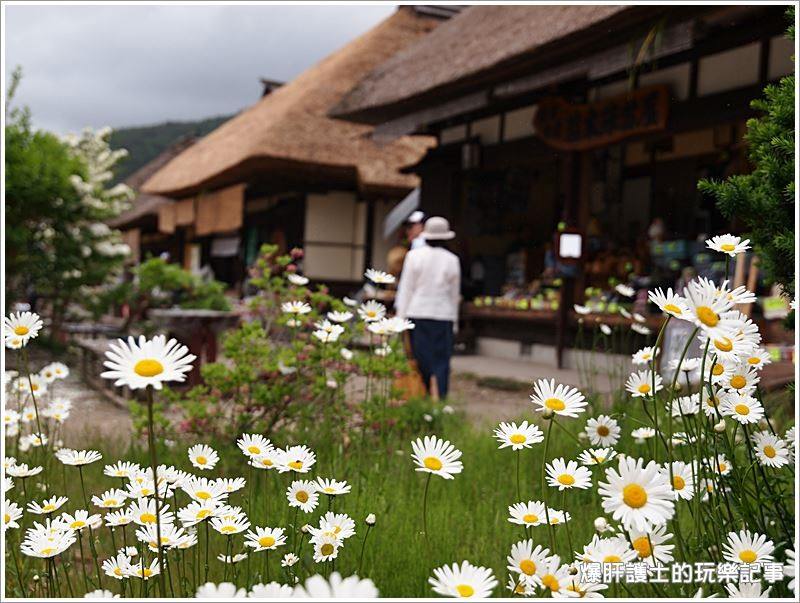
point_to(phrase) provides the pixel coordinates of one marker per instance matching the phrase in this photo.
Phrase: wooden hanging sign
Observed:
(578, 127)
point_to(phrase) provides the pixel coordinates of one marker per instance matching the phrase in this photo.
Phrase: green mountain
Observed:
(145, 143)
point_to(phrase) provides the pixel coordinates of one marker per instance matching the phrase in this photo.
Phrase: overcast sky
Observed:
(136, 65)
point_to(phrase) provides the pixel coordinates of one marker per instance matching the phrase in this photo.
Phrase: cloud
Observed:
(132, 65)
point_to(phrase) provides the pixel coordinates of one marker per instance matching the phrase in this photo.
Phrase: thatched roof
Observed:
(290, 128)
(145, 204)
(480, 42)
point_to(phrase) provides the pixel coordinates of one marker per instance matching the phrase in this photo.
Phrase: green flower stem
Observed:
(154, 465)
(550, 528)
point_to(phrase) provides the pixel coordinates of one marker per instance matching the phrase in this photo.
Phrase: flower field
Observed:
(271, 481)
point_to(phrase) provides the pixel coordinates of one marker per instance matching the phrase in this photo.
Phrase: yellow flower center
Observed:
(678, 482)
(551, 582)
(78, 524)
(253, 449)
(296, 465)
(432, 463)
(738, 382)
(149, 367)
(530, 518)
(21, 331)
(147, 572)
(707, 316)
(47, 551)
(517, 438)
(727, 247)
(713, 402)
(202, 495)
(201, 460)
(634, 496)
(465, 591)
(555, 404)
(742, 409)
(603, 431)
(110, 502)
(326, 549)
(35, 386)
(147, 518)
(48, 508)
(724, 344)
(717, 370)
(302, 496)
(6, 518)
(203, 513)
(754, 360)
(642, 546)
(612, 559)
(117, 571)
(228, 529)
(566, 479)
(528, 567)
(266, 541)
(722, 467)
(266, 462)
(554, 520)
(672, 308)
(769, 451)
(748, 556)
(644, 388)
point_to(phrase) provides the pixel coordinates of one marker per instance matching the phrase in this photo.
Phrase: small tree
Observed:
(764, 199)
(58, 247)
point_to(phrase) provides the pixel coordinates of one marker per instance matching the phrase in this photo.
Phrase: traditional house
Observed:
(599, 118)
(283, 171)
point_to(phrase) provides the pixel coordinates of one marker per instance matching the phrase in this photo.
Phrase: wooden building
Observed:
(597, 116)
(284, 171)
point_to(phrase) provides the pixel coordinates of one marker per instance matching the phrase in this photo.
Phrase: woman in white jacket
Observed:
(428, 295)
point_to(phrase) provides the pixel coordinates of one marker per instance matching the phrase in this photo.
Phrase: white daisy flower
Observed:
(153, 362)
(349, 302)
(299, 459)
(296, 279)
(118, 518)
(706, 307)
(22, 325)
(231, 560)
(436, 456)
(143, 512)
(224, 590)
(596, 456)
(770, 449)
(641, 434)
(47, 506)
(332, 487)
(335, 587)
(337, 316)
(463, 581)
(758, 358)
(636, 495)
(607, 550)
(525, 560)
(265, 539)
(270, 459)
(685, 406)
(295, 307)
(117, 567)
(531, 513)
(728, 243)
(233, 522)
(379, 277)
(748, 590)
(142, 571)
(329, 334)
(558, 516)
(682, 479)
(22, 470)
(326, 548)
(516, 436)
(645, 355)
(559, 399)
(77, 457)
(12, 513)
(195, 511)
(625, 290)
(603, 431)
(521, 587)
(651, 547)
(110, 499)
(742, 408)
(747, 547)
(554, 575)
(790, 569)
(202, 489)
(743, 378)
(371, 311)
(303, 494)
(203, 456)
(719, 464)
(640, 384)
(289, 559)
(122, 469)
(254, 445)
(170, 535)
(567, 475)
(273, 590)
(47, 543)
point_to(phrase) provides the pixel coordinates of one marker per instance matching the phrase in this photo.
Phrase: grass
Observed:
(467, 516)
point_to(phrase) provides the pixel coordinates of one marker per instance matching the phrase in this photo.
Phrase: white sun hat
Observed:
(437, 229)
